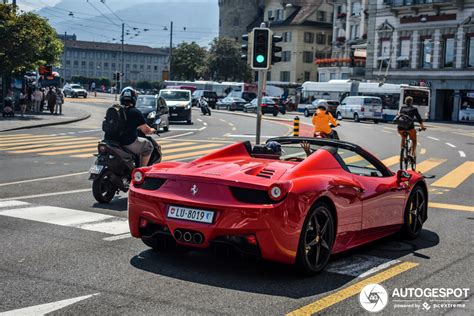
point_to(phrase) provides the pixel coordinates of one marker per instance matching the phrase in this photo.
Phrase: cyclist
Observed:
(406, 123)
(321, 120)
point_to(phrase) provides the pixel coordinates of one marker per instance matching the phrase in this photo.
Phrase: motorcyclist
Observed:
(321, 120)
(140, 146)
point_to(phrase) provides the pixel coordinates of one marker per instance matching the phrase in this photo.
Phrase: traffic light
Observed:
(276, 49)
(118, 76)
(261, 49)
(245, 47)
(114, 76)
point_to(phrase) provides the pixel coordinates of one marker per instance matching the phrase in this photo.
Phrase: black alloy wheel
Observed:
(415, 212)
(102, 189)
(316, 240)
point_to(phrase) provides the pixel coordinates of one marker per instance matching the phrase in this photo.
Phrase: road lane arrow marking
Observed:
(44, 309)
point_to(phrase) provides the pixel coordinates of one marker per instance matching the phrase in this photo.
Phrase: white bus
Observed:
(392, 95)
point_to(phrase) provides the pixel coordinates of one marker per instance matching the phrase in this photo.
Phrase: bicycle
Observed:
(406, 159)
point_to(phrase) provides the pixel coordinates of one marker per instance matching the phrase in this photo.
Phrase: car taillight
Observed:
(362, 109)
(279, 190)
(138, 175)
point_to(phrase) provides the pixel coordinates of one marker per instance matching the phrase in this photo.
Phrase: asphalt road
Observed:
(46, 257)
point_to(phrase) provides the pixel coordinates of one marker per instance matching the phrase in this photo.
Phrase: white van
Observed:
(360, 108)
(179, 104)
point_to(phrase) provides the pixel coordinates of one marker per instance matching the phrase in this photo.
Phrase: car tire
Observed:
(275, 112)
(85, 96)
(356, 117)
(245, 110)
(74, 95)
(376, 121)
(319, 245)
(306, 113)
(412, 227)
(189, 122)
(166, 128)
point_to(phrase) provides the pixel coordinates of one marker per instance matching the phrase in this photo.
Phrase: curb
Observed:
(82, 118)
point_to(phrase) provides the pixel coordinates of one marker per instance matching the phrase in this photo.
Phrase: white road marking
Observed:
(45, 195)
(46, 178)
(118, 237)
(433, 138)
(388, 132)
(184, 129)
(462, 153)
(202, 128)
(47, 308)
(176, 136)
(246, 136)
(13, 203)
(71, 218)
(359, 265)
(223, 120)
(205, 124)
(230, 124)
(450, 145)
(234, 129)
(199, 120)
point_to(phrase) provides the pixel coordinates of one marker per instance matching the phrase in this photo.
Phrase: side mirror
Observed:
(403, 176)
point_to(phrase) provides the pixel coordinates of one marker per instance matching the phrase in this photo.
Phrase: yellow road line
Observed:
(352, 290)
(13, 135)
(37, 140)
(391, 161)
(23, 138)
(456, 176)
(429, 164)
(451, 206)
(189, 154)
(190, 148)
(422, 151)
(65, 142)
(54, 148)
(88, 155)
(352, 159)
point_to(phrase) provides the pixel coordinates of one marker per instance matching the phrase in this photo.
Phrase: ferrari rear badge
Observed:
(194, 190)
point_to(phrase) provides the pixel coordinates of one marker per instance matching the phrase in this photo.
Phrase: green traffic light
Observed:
(260, 58)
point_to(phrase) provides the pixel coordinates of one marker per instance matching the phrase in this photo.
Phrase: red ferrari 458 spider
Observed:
(298, 204)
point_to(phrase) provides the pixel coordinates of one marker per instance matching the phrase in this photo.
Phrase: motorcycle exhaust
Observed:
(197, 238)
(178, 234)
(187, 236)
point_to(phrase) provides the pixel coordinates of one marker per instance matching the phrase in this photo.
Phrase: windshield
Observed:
(175, 95)
(76, 86)
(146, 102)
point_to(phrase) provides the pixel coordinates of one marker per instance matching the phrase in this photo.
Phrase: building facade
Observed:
(349, 42)
(306, 29)
(426, 42)
(101, 60)
(236, 16)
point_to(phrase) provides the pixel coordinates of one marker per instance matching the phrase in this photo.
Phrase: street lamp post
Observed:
(171, 51)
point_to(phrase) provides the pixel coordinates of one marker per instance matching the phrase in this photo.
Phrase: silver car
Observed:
(74, 91)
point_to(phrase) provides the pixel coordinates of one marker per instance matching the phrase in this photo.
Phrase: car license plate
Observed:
(190, 214)
(174, 114)
(96, 169)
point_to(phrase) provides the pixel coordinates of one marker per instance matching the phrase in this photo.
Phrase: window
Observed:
(307, 76)
(385, 49)
(307, 57)
(106, 65)
(134, 66)
(427, 53)
(285, 76)
(142, 67)
(68, 63)
(448, 56)
(279, 15)
(76, 64)
(404, 56)
(148, 67)
(320, 39)
(286, 37)
(127, 66)
(355, 8)
(344, 75)
(91, 64)
(236, 21)
(269, 14)
(322, 77)
(322, 16)
(470, 52)
(332, 76)
(308, 37)
(98, 65)
(83, 54)
(83, 63)
(339, 9)
(357, 164)
(155, 68)
(113, 65)
(286, 56)
(269, 76)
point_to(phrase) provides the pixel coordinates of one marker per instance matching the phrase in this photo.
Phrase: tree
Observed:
(188, 61)
(26, 42)
(224, 62)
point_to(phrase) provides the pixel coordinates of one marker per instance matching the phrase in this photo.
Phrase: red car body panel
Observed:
(366, 208)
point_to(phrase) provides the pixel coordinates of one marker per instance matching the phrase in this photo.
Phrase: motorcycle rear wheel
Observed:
(103, 190)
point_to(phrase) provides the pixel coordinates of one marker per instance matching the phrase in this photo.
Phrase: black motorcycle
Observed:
(204, 105)
(113, 167)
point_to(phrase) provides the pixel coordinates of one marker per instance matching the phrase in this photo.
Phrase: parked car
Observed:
(152, 108)
(246, 95)
(211, 97)
(74, 91)
(331, 106)
(179, 104)
(360, 108)
(231, 103)
(268, 106)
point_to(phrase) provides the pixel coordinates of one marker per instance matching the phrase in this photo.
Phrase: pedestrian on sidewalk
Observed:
(29, 99)
(51, 98)
(59, 102)
(37, 98)
(43, 99)
(93, 88)
(22, 103)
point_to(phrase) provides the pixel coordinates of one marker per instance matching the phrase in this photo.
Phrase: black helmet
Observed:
(129, 95)
(274, 147)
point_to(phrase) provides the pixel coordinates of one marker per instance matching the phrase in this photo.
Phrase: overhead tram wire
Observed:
(101, 13)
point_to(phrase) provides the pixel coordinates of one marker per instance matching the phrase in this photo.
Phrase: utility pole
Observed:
(171, 51)
(123, 59)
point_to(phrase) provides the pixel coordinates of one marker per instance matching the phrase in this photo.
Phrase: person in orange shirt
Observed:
(321, 120)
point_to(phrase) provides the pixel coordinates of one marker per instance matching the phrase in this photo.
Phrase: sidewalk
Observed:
(31, 120)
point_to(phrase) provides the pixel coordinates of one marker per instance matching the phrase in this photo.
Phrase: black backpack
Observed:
(403, 121)
(115, 121)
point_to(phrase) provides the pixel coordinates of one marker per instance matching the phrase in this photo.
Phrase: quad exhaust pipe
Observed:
(188, 236)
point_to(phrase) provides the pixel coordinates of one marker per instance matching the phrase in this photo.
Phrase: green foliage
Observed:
(224, 62)
(188, 61)
(26, 41)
